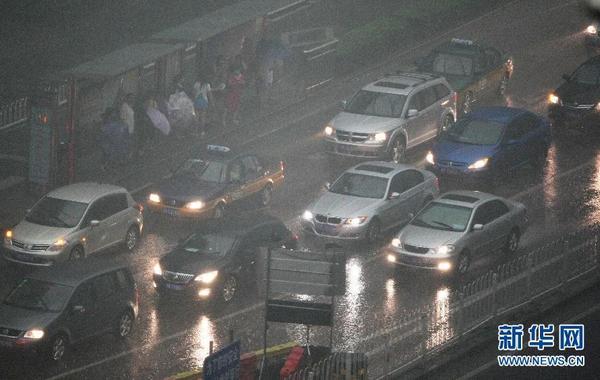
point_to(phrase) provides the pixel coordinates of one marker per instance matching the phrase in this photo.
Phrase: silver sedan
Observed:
(369, 198)
(455, 228)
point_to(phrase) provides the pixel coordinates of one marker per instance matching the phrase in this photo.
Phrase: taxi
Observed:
(204, 186)
(473, 70)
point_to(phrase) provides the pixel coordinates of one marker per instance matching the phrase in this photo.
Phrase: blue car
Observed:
(491, 141)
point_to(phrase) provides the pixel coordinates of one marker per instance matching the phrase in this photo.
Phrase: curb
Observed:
(277, 350)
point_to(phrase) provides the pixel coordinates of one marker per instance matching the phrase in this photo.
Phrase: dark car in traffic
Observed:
(578, 97)
(205, 185)
(489, 142)
(473, 70)
(214, 263)
(55, 307)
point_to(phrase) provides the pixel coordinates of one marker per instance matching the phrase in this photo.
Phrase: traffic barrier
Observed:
(292, 362)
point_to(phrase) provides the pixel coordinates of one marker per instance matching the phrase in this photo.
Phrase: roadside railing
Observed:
(14, 113)
(545, 275)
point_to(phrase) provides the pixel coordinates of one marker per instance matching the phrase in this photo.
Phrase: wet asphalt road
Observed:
(545, 40)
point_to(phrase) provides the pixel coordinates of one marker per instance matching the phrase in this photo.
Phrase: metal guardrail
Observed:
(14, 113)
(338, 366)
(554, 268)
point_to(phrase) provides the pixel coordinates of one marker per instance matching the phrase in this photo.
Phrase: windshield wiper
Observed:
(449, 227)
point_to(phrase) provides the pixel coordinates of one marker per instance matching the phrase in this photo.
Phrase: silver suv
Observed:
(369, 198)
(74, 221)
(391, 115)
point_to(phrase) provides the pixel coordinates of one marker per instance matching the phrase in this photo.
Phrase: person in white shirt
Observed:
(128, 118)
(202, 100)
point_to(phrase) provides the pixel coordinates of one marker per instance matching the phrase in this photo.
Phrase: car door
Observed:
(253, 179)
(235, 177)
(431, 113)
(81, 318)
(95, 236)
(445, 101)
(413, 123)
(395, 211)
(499, 224)
(514, 147)
(479, 241)
(118, 218)
(107, 301)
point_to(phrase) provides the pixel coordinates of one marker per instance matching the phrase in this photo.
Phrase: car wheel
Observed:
(219, 211)
(503, 85)
(467, 104)
(266, 195)
(373, 231)
(397, 152)
(132, 237)
(229, 289)
(512, 242)
(463, 263)
(77, 253)
(446, 124)
(124, 325)
(57, 348)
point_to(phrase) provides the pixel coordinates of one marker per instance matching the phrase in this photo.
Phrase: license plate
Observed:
(23, 257)
(170, 211)
(450, 171)
(174, 286)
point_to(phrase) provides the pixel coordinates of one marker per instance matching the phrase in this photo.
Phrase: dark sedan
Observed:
(491, 141)
(212, 264)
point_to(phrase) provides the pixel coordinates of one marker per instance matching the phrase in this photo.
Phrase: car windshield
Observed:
(587, 74)
(453, 64)
(376, 104)
(208, 244)
(56, 212)
(209, 171)
(39, 295)
(475, 131)
(442, 216)
(360, 185)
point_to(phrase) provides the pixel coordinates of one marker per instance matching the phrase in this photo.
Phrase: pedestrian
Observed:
(238, 64)
(158, 118)
(127, 116)
(202, 102)
(114, 140)
(234, 89)
(182, 115)
(144, 129)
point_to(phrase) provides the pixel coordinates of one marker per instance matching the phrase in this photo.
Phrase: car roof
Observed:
(460, 47)
(466, 198)
(502, 115)
(385, 169)
(400, 83)
(85, 192)
(239, 225)
(74, 272)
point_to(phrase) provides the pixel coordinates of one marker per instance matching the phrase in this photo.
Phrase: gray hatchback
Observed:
(66, 303)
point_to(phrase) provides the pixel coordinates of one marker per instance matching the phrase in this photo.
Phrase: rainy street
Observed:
(545, 40)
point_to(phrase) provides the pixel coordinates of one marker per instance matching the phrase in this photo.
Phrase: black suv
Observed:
(210, 264)
(579, 96)
(68, 302)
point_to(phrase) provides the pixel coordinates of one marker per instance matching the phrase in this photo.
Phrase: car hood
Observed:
(32, 233)
(182, 261)
(344, 206)
(448, 150)
(353, 122)
(573, 92)
(185, 188)
(24, 319)
(427, 237)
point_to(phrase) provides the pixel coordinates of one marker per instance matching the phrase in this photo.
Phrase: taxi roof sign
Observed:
(218, 148)
(461, 41)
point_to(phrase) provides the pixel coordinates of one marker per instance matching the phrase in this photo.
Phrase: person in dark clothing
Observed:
(144, 129)
(114, 139)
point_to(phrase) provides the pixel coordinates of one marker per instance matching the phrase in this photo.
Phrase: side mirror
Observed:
(394, 195)
(343, 104)
(566, 77)
(477, 227)
(78, 309)
(411, 215)
(327, 185)
(94, 223)
(412, 113)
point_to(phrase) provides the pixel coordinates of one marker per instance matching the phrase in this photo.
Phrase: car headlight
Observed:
(553, 99)
(379, 137)
(307, 215)
(479, 163)
(396, 243)
(58, 245)
(444, 266)
(195, 205)
(591, 29)
(391, 258)
(329, 130)
(157, 270)
(445, 249)
(356, 221)
(208, 277)
(8, 237)
(153, 197)
(429, 158)
(34, 334)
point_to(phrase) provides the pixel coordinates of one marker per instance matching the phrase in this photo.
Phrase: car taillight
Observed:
(282, 165)
(437, 183)
(139, 207)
